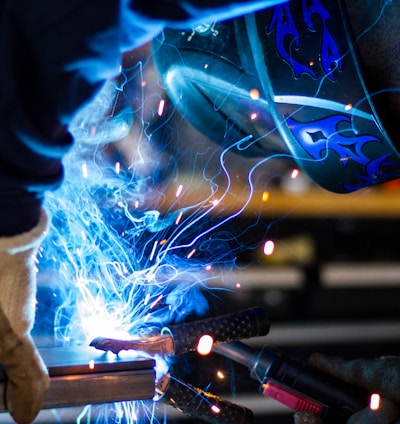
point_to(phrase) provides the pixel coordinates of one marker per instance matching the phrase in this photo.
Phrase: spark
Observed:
(215, 202)
(349, 106)
(208, 267)
(253, 116)
(294, 174)
(161, 106)
(179, 190)
(238, 285)
(179, 217)
(254, 94)
(269, 247)
(220, 375)
(216, 409)
(375, 402)
(84, 171)
(91, 364)
(191, 253)
(146, 299)
(156, 301)
(265, 196)
(153, 250)
(117, 167)
(205, 345)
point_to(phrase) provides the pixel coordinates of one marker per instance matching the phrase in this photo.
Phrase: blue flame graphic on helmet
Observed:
(317, 136)
(285, 27)
(323, 135)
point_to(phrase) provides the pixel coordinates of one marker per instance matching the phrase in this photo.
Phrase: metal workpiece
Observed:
(81, 376)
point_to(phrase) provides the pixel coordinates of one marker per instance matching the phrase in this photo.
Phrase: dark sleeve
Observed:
(54, 57)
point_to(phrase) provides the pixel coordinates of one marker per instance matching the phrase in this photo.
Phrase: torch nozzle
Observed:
(161, 344)
(182, 338)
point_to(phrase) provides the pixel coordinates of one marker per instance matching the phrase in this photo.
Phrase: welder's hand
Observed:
(26, 372)
(380, 375)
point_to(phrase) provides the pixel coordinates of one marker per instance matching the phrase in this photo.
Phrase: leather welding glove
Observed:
(380, 375)
(27, 375)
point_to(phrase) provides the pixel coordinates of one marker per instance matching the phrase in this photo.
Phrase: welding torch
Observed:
(298, 384)
(188, 337)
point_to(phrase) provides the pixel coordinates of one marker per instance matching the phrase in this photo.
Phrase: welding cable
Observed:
(245, 324)
(297, 384)
(200, 404)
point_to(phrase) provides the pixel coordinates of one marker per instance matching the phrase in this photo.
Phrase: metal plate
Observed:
(82, 376)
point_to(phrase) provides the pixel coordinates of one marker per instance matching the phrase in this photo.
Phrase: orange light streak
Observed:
(179, 190)
(265, 196)
(191, 253)
(179, 217)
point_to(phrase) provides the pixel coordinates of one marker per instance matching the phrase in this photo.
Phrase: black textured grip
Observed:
(224, 328)
(205, 406)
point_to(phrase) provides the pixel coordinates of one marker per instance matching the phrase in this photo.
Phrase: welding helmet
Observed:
(284, 81)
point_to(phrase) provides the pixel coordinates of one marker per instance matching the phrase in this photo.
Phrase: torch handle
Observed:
(199, 404)
(223, 328)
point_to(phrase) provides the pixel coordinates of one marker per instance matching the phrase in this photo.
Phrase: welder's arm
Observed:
(380, 376)
(53, 59)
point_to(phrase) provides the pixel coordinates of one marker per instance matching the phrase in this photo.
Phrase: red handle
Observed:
(291, 399)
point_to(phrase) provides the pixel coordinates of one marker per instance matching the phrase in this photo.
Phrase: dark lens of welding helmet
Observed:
(283, 80)
(207, 77)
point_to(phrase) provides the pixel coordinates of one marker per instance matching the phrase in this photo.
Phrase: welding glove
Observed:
(27, 375)
(380, 375)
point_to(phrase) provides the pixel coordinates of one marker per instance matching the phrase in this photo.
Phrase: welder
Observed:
(55, 56)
